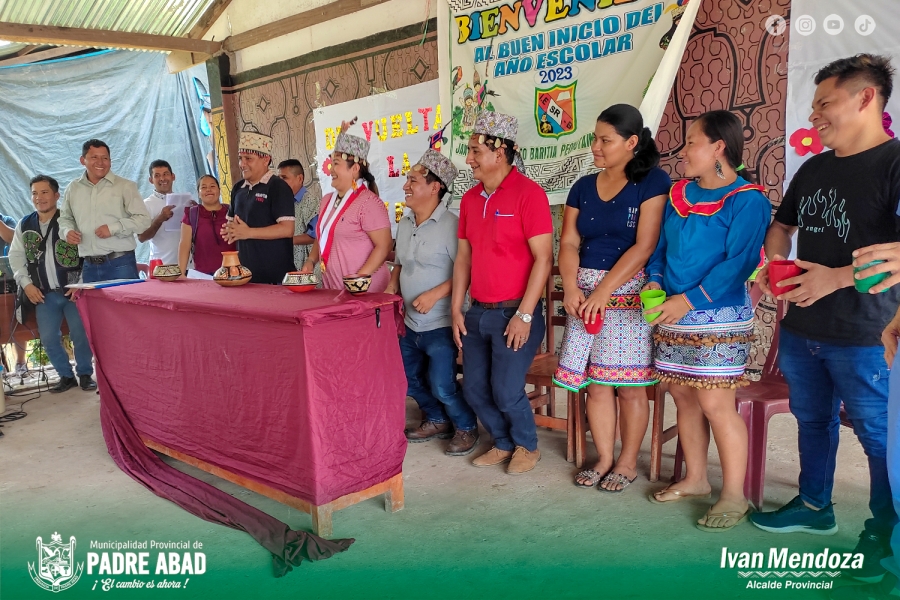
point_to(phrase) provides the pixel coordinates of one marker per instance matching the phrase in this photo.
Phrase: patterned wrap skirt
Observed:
(621, 354)
(706, 349)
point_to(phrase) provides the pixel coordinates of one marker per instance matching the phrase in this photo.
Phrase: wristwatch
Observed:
(525, 318)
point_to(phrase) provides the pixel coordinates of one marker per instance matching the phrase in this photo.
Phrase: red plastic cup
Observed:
(779, 270)
(594, 328)
(153, 264)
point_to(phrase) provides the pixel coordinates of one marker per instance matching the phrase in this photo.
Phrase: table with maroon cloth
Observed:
(300, 397)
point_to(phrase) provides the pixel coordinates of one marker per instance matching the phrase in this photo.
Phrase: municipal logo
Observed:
(554, 110)
(55, 569)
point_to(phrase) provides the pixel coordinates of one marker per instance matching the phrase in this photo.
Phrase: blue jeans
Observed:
(494, 375)
(50, 314)
(429, 359)
(123, 267)
(820, 376)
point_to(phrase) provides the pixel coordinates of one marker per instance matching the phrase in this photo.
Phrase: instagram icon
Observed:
(805, 25)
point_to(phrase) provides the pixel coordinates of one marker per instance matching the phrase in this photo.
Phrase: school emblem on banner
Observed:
(554, 110)
(55, 569)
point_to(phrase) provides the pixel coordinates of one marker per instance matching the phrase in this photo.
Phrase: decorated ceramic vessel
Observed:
(357, 285)
(300, 282)
(167, 272)
(232, 273)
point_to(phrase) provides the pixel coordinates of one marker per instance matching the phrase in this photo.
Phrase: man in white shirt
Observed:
(163, 243)
(101, 214)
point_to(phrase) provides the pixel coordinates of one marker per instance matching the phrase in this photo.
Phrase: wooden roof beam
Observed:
(27, 50)
(208, 18)
(38, 56)
(97, 38)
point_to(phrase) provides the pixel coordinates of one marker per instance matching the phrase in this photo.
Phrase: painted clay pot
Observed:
(166, 272)
(231, 273)
(357, 285)
(300, 282)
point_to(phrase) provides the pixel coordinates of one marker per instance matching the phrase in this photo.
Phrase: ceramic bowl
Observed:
(357, 285)
(300, 282)
(296, 278)
(166, 272)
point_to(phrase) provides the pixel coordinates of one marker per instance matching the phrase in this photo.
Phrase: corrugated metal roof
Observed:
(160, 17)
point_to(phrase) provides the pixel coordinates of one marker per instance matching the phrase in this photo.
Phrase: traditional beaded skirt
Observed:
(706, 349)
(621, 354)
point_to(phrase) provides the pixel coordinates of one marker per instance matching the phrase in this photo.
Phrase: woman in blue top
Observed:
(610, 228)
(712, 232)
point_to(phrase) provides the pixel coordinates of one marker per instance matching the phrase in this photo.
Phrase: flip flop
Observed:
(591, 475)
(679, 496)
(733, 518)
(615, 478)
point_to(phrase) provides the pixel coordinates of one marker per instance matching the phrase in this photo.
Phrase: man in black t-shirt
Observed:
(829, 345)
(261, 215)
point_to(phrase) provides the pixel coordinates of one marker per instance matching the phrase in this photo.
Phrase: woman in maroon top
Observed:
(200, 227)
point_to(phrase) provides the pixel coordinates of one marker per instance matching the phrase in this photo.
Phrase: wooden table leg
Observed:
(393, 498)
(580, 428)
(321, 520)
(570, 425)
(656, 430)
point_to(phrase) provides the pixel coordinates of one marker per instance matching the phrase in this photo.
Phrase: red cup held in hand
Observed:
(153, 264)
(779, 270)
(594, 328)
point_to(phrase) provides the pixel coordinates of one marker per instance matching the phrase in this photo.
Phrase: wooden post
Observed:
(224, 128)
(321, 520)
(393, 498)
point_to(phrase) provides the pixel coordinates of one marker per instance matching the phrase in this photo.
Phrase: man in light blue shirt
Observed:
(423, 275)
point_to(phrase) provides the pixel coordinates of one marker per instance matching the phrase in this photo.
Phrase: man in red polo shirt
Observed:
(504, 258)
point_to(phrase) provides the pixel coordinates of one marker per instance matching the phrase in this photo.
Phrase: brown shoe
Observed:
(429, 430)
(523, 461)
(462, 443)
(494, 456)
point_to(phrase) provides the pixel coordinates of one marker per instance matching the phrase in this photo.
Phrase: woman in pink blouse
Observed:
(354, 230)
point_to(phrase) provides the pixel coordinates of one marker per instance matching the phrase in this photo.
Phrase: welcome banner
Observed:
(399, 126)
(554, 64)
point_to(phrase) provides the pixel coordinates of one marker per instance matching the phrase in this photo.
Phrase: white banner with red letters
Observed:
(399, 126)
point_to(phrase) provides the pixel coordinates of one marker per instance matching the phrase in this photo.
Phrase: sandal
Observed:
(615, 478)
(591, 476)
(732, 519)
(679, 496)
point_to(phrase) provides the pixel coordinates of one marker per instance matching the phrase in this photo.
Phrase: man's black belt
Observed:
(493, 305)
(99, 260)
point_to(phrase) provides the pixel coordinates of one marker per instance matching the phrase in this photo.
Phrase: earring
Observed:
(719, 172)
(354, 185)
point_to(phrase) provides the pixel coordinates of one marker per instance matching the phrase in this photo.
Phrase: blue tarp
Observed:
(127, 99)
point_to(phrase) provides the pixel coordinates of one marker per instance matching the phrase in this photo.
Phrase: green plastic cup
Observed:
(863, 285)
(650, 299)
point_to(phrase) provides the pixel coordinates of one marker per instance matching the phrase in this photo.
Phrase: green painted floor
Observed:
(464, 533)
